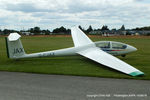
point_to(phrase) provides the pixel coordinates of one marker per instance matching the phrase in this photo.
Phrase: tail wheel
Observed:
(123, 55)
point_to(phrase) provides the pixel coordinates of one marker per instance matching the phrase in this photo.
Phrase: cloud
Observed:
(23, 8)
(54, 13)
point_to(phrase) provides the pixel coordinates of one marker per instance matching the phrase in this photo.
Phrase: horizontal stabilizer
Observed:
(13, 37)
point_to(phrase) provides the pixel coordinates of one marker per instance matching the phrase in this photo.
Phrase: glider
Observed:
(101, 52)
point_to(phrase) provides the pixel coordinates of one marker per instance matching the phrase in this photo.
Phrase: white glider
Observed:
(101, 51)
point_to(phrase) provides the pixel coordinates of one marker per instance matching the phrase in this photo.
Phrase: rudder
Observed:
(14, 46)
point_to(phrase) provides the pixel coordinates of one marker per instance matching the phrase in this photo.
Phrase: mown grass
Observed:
(74, 65)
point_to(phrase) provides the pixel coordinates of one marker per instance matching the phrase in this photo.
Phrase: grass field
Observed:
(74, 65)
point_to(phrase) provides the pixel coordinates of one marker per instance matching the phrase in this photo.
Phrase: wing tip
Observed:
(137, 73)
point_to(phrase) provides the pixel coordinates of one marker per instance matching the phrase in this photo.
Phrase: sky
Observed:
(50, 14)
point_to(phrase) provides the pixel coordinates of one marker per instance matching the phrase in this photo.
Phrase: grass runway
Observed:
(74, 65)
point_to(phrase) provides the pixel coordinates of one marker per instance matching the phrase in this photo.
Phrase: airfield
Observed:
(75, 65)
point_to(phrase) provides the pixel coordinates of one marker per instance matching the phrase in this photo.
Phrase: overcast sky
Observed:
(49, 14)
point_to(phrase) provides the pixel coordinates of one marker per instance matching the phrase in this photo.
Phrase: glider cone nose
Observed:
(132, 49)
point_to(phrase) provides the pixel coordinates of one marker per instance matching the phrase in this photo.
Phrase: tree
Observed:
(7, 31)
(37, 30)
(114, 29)
(31, 30)
(104, 28)
(143, 28)
(0, 32)
(61, 30)
(122, 28)
(89, 29)
(68, 31)
(47, 32)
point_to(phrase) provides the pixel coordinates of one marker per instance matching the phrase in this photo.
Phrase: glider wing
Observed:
(106, 59)
(79, 38)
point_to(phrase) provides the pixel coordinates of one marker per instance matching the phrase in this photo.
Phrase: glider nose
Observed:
(132, 49)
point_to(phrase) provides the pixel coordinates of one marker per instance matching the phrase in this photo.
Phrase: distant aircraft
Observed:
(101, 51)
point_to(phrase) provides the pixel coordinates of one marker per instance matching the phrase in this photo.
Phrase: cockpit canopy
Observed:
(111, 44)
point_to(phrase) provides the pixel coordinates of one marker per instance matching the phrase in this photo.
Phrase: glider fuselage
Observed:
(111, 47)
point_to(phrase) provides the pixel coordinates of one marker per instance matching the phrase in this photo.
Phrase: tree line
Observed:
(65, 31)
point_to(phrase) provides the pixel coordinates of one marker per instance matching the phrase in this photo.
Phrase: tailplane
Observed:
(14, 46)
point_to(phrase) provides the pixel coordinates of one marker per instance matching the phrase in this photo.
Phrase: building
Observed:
(27, 33)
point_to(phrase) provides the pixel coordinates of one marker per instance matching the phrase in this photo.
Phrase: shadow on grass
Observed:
(53, 60)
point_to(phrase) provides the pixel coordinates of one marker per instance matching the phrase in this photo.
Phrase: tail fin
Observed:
(14, 46)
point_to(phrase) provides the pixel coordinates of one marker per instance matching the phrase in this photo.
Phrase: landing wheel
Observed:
(123, 55)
